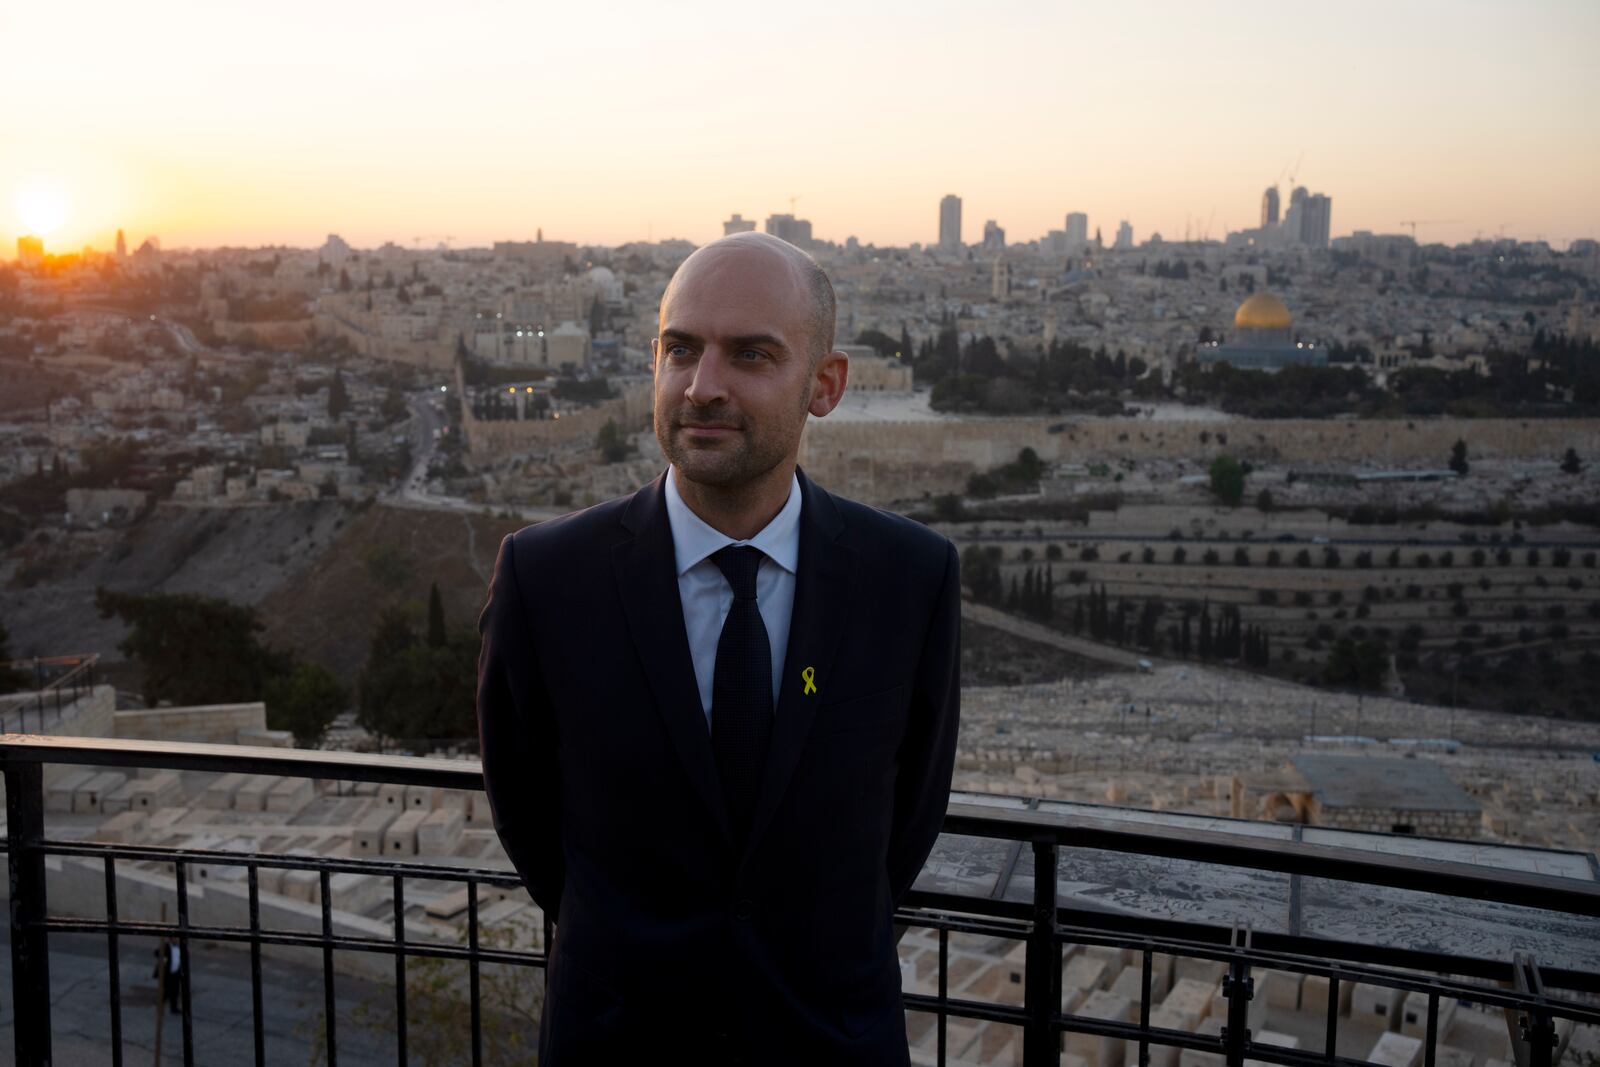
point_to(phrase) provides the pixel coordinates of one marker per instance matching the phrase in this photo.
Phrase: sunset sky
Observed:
(220, 123)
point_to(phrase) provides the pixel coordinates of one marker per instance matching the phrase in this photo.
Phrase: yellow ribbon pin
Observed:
(809, 674)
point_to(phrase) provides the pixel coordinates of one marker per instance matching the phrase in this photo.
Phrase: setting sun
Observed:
(41, 207)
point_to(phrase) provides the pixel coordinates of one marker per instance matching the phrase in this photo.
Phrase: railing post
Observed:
(1535, 1041)
(30, 949)
(1042, 994)
(1239, 988)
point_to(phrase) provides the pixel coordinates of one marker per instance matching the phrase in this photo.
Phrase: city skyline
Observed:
(395, 128)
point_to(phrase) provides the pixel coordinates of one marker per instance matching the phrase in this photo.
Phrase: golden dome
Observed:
(1263, 311)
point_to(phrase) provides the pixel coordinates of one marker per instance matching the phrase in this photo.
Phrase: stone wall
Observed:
(220, 724)
(432, 354)
(487, 439)
(1453, 824)
(877, 461)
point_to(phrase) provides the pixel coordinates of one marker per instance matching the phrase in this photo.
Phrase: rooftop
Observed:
(1377, 782)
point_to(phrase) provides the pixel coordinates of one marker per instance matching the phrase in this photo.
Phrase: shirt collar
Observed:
(693, 539)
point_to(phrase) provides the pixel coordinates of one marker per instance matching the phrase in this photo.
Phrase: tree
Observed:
(613, 444)
(1356, 664)
(338, 398)
(1264, 502)
(305, 702)
(436, 630)
(1570, 463)
(11, 681)
(1227, 480)
(414, 692)
(1458, 458)
(193, 649)
(393, 408)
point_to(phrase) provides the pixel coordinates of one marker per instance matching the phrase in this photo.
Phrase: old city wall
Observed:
(434, 355)
(487, 438)
(877, 461)
(278, 333)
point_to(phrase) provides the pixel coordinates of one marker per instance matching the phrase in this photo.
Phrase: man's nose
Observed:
(710, 380)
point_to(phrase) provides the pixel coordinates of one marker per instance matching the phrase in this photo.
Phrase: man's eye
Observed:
(750, 355)
(677, 351)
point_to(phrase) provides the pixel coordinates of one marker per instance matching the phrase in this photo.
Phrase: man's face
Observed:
(734, 371)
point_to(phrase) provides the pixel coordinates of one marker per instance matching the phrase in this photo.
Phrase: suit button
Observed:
(744, 909)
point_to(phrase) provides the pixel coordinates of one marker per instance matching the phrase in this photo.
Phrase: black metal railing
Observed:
(1045, 924)
(58, 681)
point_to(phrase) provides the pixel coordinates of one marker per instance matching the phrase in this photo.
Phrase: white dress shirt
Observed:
(707, 596)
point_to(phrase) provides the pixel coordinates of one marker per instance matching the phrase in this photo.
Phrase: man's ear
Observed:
(655, 353)
(830, 375)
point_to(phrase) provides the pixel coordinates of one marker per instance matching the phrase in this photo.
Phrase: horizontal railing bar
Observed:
(1196, 941)
(965, 1009)
(956, 1006)
(466, 774)
(243, 935)
(283, 861)
(1133, 929)
(1423, 875)
(1438, 877)
(961, 924)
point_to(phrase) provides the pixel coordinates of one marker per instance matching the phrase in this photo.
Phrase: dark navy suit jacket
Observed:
(598, 765)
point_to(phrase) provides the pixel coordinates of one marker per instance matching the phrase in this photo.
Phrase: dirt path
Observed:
(1044, 635)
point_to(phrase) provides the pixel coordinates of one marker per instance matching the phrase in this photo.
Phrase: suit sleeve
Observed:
(928, 753)
(517, 738)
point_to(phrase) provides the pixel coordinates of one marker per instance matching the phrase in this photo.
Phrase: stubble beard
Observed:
(726, 464)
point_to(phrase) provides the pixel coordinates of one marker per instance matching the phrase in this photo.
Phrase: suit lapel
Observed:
(824, 587)
(647, 580)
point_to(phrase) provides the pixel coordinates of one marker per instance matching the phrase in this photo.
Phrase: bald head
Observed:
(811, 283)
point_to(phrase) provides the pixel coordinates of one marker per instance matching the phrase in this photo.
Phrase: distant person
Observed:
(719, 716)
(169, 972)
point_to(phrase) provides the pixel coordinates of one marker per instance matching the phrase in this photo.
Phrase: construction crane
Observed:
(1294, 170)
(792, 201)
(416, 242)
(1414, 223)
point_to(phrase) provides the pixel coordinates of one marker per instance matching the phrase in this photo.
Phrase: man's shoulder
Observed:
(874, 527)
(593, 526)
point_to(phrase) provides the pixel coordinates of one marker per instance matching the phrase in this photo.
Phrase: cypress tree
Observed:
(436, 630)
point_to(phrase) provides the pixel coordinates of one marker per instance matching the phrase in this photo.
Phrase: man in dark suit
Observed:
(719, 716)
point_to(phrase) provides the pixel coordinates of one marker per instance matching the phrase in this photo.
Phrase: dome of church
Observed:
(1263, 311)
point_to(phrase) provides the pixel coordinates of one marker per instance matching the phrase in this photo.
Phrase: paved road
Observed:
(1044, 635)
(291, 1006)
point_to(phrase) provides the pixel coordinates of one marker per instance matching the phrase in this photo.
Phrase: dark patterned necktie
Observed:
(741, 689)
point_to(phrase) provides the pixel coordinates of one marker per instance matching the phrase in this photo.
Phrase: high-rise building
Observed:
(738, 224)
(122, 246)
(1316, 219)
(1077, 231)
(994, 237)
(1124, 236)
(30, 251)
(950, 223)
(796, 231)
(1269, 207)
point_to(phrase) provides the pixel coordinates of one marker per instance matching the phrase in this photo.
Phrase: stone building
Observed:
(1398, 796)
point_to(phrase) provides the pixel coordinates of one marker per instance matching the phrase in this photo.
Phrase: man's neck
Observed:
(740, 512)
